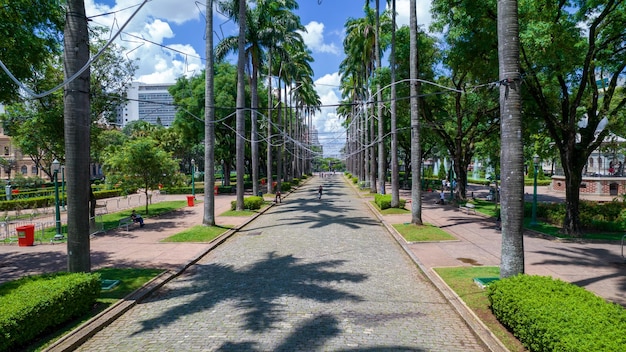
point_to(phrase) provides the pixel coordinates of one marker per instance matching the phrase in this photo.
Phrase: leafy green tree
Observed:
(141, 163)
(36, 126)
(31, 36)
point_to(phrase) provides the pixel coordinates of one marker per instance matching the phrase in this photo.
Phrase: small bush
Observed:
(285, 186)
(384, 201)
(355, 180)
(551, 315)
(32, 305)
(251, 203)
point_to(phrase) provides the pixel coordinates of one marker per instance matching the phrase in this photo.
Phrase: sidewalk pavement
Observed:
(137, 247)
(598, 267)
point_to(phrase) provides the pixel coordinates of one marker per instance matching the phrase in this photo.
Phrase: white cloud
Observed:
(314, 39)
(327, 122)
(157, 64)
(424, 18)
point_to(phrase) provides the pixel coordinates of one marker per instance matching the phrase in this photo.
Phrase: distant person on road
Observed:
(278, 198)
(319, 192)
(442, 198)
(137, 218)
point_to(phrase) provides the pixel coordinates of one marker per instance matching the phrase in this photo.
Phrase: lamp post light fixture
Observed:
(56, 165)
(193, 178)
(63, 187)
(533, 220)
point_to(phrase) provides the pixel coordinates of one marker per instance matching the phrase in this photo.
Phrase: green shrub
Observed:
(384, 201)
(285, 186)
(251, 203)
(32, 305)
(355, 180)
(551, 315)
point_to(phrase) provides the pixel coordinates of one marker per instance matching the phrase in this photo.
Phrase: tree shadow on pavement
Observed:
(256, 290)
(311, 335)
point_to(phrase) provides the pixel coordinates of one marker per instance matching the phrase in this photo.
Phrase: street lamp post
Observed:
(63, 187)
(533, 220)
(193, 178)
(55, 174)
(222, 162)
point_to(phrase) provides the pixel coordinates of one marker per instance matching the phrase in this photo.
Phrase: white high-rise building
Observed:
(147, 102)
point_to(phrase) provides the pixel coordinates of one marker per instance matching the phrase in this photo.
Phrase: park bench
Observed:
(126, 222)
(468, 207)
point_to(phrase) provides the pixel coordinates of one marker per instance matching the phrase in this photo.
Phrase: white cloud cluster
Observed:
(157, 64)
(327, 122)
(314, 39)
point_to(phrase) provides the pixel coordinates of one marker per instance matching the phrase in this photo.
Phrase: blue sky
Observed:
(174, 45)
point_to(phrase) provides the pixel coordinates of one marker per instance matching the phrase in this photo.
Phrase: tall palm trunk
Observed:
(511, 158)
(270, 112)
(76, 131)
(209, 123)
(372, 150)
(395, 192)
(241, 104)
(379, 103)
(416, 153)
(254, 138)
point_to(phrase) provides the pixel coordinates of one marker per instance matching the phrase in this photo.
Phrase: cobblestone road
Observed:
(308, 275)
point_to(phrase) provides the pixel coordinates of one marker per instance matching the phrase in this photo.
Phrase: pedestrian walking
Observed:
(319, 192)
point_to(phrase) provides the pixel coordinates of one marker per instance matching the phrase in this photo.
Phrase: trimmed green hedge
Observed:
(547, 314)
(31, 305)
(251, 203)
(48, 201)
(384, 201)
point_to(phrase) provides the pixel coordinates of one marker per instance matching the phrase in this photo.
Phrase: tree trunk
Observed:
(382, 174)
(416, 153)
(572, 169)
(77, 123)
(511, 158)
(254, 147)
(372, 150)
(241, 104)
(395, 192)
(209, 123)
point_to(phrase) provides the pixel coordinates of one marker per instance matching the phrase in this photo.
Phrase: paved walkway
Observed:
(308, 275)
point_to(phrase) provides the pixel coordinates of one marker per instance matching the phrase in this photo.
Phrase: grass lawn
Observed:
(198, 233)
(130, 280)
(461, 281)
(422, 233)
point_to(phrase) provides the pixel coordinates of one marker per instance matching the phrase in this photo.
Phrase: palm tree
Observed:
(363, 49)
(395, 192)
(266, 26)
(416, 154)
(77, 122)
(209, 123)
(241, 104)
(512, 158)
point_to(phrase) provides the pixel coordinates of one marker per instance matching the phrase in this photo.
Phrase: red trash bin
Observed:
(25, 235)
(215, 190)
(190, 201)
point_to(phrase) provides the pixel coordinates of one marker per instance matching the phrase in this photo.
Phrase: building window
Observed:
(6, 150)
(24, 170)
(33, 170)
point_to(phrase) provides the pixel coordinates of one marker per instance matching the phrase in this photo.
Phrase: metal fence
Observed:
(8, 227)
